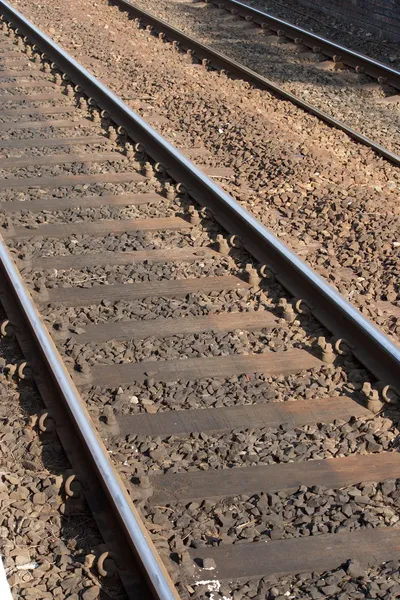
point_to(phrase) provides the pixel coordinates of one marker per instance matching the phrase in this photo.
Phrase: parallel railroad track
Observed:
(203, 54)
(341, 55)
(177, 315)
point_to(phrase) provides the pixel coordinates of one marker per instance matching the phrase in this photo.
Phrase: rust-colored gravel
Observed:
(331, 199)
(344, 94)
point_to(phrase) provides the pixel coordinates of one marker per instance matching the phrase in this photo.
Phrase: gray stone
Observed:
(354, 569)
(91, 593)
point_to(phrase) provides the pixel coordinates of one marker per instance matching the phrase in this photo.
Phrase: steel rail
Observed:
(134, 530)
(371, 346)
(220, 61)
(354, 59)
(18, 301)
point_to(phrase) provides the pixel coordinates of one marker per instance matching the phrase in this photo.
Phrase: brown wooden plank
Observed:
(19, 74)
(5, 85)
(29, 97)
(73, 261)
(9, 53)
(219, 172)
(272, 414)
(269, 363)
(17, 58)
(333, 473)
(39, 204)
(138, 291)
(52, 142)
(194, 152)
(164, 327)
(59, 159)
(316, 553)
(68, 180)
(98, 228)
(45, 110)
(16, 61)
(11, 64)
(59, 123)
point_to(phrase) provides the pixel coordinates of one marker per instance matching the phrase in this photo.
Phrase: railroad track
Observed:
(213, 362)
(238, 15)
(302, 38)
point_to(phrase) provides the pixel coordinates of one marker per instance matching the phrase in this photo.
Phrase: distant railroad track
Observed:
(212, 59)
(361, 63)
(175, 282)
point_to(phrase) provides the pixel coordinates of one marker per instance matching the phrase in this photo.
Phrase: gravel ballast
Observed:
(48, 543)
(330, 199)
(270, 517)
(255, 447)
(338, 93)
(350, 581)
(315, 189)
(253, 388)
